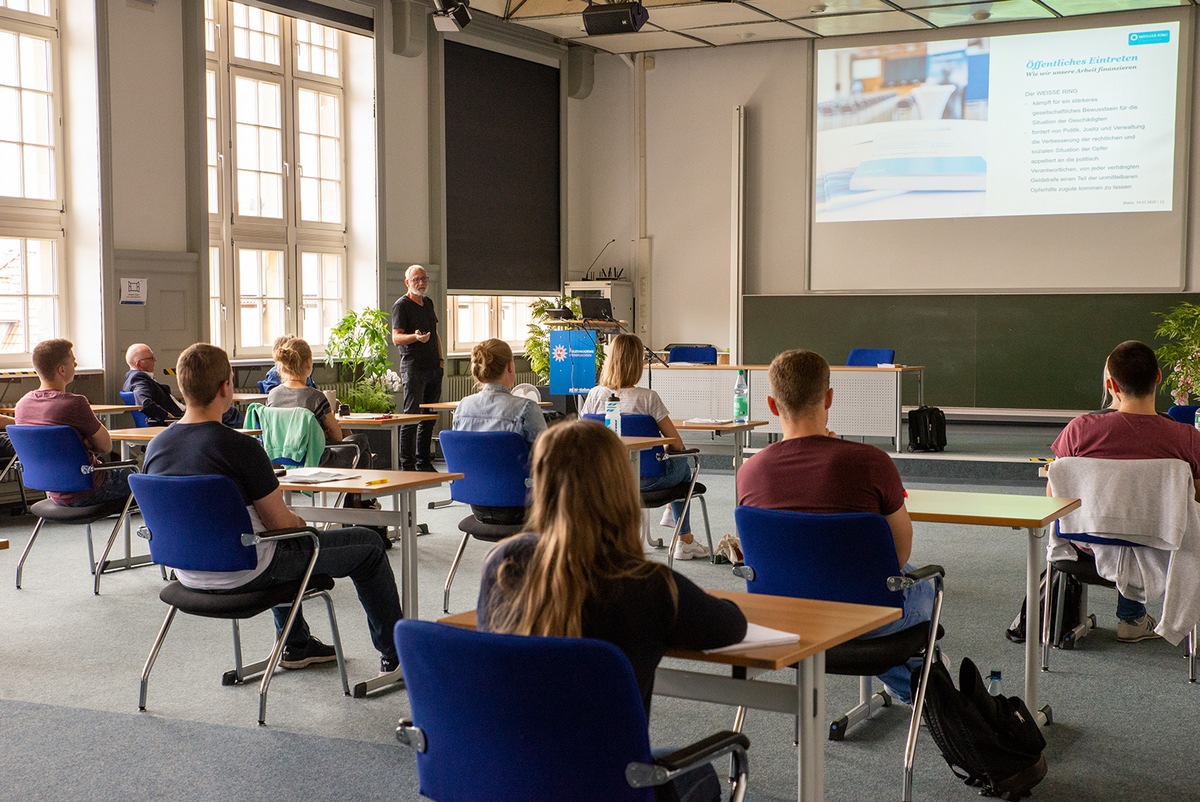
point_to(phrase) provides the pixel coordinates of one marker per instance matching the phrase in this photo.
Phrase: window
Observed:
(475, 318)
(276, 161)
(31, 206)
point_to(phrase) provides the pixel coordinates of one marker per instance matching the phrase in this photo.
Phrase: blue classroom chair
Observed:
(140, 421)
(870, 357)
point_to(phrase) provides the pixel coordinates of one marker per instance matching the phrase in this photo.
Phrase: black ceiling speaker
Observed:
(614, 18)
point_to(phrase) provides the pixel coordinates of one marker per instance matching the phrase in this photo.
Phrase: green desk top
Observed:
(987, 509)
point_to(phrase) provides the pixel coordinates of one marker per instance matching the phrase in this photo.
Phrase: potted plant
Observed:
(537, 344)
(357, 348)
(1180, 328)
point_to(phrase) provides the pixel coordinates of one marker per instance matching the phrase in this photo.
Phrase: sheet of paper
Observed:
(756, 636)
(313, 477)
(709, 421)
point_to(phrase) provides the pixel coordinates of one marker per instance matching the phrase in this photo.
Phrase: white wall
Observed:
(146, 80)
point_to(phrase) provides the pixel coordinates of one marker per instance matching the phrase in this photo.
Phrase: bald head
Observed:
(140, 356)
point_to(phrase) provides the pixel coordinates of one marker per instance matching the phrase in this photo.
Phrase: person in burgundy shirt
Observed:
(1133, 431)
(811, 470)
(52, 405)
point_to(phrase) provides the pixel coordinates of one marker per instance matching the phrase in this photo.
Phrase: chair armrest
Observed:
(112, 466)
(254, 538)
(668, 767)
(344, 447)
(916, 577)
(665, 455)
(746, 572)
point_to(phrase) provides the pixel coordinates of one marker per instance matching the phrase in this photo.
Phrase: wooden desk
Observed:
(390, 422)
(741, 437)
(821, 626)
(249, 398)
(102, 411)
(144, 434)
(1031, 513)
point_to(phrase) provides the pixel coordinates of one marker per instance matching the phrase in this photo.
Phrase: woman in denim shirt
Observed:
(494, 408)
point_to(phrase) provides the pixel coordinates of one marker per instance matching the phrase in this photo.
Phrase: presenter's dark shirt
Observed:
(410, 317)
(637, 615)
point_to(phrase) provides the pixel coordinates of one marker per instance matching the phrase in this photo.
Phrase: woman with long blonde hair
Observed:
(621, 372)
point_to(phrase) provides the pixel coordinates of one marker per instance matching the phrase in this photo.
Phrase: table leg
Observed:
(1033, 622)
(395, 437)
(407, 506)
(899, 405)
(810, 751)
(740, 440)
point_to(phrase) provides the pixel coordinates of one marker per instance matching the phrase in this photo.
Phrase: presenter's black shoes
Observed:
(1132, 632)
(295, 657)
(388, 664)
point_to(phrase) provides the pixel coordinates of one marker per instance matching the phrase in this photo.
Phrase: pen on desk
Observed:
(376, 482)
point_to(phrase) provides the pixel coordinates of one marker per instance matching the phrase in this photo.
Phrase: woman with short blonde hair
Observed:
(619, 377)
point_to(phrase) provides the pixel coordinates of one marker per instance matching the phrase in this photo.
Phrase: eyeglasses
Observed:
(418, 280)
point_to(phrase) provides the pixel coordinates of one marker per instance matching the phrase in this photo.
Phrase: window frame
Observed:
(495, 304)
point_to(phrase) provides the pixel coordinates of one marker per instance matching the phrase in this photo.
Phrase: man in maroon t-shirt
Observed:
(1134, 431)
(52, 405)
(811, 470)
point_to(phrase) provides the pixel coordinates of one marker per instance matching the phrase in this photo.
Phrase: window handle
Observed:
(287, 169)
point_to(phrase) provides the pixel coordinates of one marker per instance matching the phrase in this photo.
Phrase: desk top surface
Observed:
(391, 419)
(729, 426)
(144, 434)
(99, 409)
(987, 509)
(246, 398)
(370, 481)
(820, 624)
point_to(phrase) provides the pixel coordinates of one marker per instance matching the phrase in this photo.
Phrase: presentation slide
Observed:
(1059, 123)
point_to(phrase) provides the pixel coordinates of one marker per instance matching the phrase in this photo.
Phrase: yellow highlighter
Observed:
(376, 482)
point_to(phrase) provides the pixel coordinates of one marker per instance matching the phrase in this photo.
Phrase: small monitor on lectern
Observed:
(596, 308)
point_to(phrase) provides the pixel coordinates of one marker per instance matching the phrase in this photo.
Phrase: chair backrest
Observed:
(844, 557)
(196, 523)
(53, 458)
(1184, 413)
(567, 722)
(699, 354)
(291, 436)
(650, 466)
(870, 357)
(495, 467)
(139, 417)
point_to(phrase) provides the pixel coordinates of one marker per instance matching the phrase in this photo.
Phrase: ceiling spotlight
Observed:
(819, 8)
(449, 17)
(981, 15)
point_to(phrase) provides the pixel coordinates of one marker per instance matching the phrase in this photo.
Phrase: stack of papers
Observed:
(756, 636)
(309, 477)
(709, 421)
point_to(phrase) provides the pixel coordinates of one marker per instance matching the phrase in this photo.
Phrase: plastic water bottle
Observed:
(741, 398)
(612, 414)
(994, 683)
(1197, 421)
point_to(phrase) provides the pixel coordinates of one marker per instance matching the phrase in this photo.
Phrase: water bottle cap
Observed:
(995, 674)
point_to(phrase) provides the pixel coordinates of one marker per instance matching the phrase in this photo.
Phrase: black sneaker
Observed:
(389, 664)
(295, 657)
(426, 467)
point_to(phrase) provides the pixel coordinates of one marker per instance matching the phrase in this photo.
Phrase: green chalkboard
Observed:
(1009, 351)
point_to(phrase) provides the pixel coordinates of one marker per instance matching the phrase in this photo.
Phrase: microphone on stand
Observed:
(587, 276)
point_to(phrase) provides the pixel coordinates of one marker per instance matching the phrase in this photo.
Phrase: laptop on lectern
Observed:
(596, 308)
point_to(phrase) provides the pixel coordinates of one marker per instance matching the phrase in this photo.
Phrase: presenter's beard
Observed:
(419, 292)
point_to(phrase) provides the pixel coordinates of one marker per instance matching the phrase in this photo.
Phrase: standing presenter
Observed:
(414, 330)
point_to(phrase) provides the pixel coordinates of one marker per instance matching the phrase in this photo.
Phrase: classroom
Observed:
(211, 171)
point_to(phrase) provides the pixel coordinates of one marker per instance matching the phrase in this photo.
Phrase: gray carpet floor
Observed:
(1124, 715)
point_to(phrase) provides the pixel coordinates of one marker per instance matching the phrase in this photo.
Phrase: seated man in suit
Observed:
(52, 405)
(199, 444)
(1134, 431)
(811, 470)
(153, 397)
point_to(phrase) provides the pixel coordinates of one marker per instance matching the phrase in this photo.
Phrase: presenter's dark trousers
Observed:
(421, 386)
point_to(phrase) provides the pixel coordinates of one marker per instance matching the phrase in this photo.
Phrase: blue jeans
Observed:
(1128, 610)
(918, 607)
(354, 552)
(677, 471)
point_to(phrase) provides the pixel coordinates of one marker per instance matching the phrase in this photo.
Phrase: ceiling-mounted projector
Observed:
(614, 18)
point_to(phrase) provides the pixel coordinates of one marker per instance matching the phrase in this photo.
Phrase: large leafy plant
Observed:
(1180, 328)
(357, 348)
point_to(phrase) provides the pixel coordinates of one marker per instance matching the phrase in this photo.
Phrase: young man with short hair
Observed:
(200, 444)
(52, 405)
(811, 470)
(1134, 431)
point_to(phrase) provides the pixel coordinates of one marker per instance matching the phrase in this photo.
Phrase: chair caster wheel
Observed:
(230, 678)
(887, 698)
(837, 729)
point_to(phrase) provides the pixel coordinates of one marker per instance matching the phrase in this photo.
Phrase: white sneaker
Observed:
(668, 517)
(683, 551)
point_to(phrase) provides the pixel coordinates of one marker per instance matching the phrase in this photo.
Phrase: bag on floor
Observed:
(1071, 605)
(926, 429)
(990, 742)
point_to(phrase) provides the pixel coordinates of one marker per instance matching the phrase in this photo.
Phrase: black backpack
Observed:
(1071, 605)
(926, 429)
(991, 742)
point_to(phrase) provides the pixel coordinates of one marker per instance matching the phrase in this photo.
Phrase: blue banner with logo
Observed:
(572, 361)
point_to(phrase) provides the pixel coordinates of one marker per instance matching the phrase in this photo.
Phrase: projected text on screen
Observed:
(1071, 122)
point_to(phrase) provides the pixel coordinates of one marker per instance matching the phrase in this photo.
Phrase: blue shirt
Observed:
(495, 409)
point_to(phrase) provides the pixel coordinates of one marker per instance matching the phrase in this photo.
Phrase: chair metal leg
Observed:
(869, 702)
(337, 640)
(112, 538)
(914, 725)
(91, 548)
(32, 537)
(1192, 653)
(239, 668)
(1047, 635)
(655, 543)
(453, 570)
(158, 642)
(712, 554)
(273, 660)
